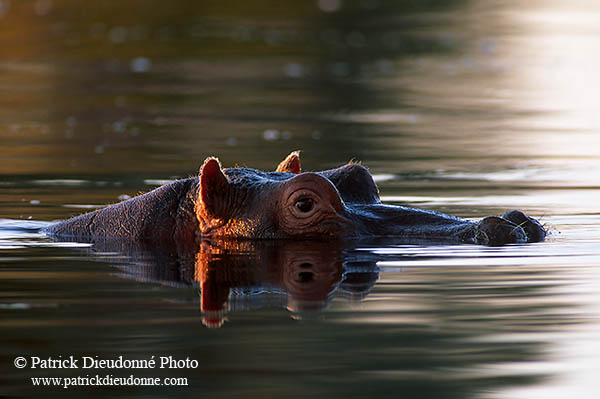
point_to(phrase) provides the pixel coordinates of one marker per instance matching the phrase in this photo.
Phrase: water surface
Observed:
(469, 108)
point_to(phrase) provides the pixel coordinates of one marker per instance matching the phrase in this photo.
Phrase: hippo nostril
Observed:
(493, 231)
(306, 265)
(304, 205)
(534, 230)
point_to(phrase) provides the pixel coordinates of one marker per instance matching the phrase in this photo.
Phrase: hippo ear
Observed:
(290, 164)
(213, 187)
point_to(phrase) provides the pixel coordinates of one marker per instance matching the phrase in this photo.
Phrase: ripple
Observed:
(568, 175)
(60, 182)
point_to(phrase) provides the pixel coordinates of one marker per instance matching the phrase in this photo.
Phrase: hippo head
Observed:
(248, 203)
(344, 202)
(245, 203)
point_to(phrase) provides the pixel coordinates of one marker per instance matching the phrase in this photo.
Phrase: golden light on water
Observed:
(555, 75)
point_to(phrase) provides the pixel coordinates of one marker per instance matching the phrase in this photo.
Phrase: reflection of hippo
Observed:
(285, 204)
(302, 275)
(306, 273)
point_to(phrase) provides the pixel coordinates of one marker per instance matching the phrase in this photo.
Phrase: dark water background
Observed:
(466, 107)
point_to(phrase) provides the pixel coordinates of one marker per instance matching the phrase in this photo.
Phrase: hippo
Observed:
(287, 204)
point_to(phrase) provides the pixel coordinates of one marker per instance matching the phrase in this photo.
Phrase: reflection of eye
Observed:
(304, 205)
(305, 277)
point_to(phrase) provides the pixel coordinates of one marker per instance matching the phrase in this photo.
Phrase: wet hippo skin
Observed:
(244, 203)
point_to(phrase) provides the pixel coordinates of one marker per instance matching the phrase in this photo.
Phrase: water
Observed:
(469, 108)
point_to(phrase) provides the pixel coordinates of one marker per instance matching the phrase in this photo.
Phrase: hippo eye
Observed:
(304, 205)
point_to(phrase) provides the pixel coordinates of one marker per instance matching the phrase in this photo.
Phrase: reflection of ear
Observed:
(290, 164)
(213, 188)
(213, 298)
